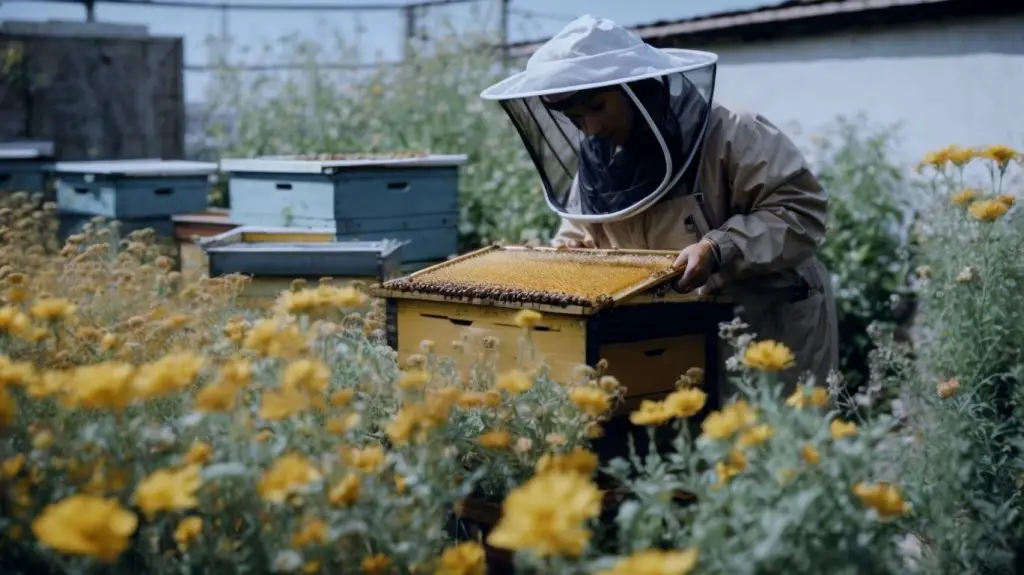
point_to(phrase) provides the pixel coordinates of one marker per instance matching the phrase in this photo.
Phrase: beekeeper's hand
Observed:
(699, 261)
(578, 244)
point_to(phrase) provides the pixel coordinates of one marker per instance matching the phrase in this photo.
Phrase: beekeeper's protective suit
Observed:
(689, 170)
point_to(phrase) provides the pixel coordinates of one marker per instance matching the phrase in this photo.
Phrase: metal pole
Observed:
(504, 32)
(410, 30)
(90, 10)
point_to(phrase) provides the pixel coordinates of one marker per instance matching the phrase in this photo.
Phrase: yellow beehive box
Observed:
(274, 258)
(596, 304)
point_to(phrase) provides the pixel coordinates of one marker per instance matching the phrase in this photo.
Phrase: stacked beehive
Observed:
(274, 258)
(137, 193)
(25, 166)
(596, 304)
(362, 197)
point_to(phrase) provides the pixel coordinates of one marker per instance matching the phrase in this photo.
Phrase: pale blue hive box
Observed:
(410, 199)
(134, 189)
(25, 166)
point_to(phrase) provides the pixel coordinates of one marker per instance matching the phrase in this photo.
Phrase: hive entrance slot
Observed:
(163, 191)
(398, 186)
(654, 352)
(283, 186)
(456, 321)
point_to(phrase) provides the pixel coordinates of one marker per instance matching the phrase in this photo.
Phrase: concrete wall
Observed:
(946, 84)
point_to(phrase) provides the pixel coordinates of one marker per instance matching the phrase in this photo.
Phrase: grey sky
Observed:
(383, 30)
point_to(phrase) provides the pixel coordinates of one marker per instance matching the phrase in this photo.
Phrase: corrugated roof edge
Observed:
(795, 11)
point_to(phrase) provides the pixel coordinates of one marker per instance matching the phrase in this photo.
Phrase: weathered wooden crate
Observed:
(596, 304)
(188, 228)
(25, 166)
(275, 257)
(411, 198)
(132, 189)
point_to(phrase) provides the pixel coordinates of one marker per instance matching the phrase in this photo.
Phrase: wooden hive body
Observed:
(133, 189)
(275, 257)
(25, 166)
(366, 198)
(191, 227)
(610, 304)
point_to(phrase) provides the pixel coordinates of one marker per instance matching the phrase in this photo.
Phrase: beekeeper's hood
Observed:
(587, 178)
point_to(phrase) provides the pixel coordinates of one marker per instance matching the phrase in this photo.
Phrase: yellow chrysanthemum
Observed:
(656, 562)
(884, 498)
(86, 525)
(463, 559)
(768, 355)
(988, 210)
(592, 401)
(286, 476)
(168, 490)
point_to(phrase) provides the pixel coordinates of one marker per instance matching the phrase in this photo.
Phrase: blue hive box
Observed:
(134, 189)
(25, 166)
(412, 199)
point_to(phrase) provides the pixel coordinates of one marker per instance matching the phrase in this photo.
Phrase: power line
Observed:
(252, 6)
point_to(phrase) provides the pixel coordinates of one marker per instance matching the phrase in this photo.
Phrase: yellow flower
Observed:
(656, 562)
(1008, 199)
(13, 321)
(471, 399)
(341, 397)
(802, 397)
(11, 466)
(964, 196)
(342, 424)
(463, 559)
(52, 309)
(346, 491)
(275, 338)
(960, 156)
(313, 532)
(988, 210)
(415, 379)
(548, 515)
(727, 422)
(167, 375)
(578, 460)
(216, 398)
(650, 413)
(592, 401)
(86, 525)
(106, 385)
(882, 497)
(165, 490)
(497, 439)
(188, 531)
(948, 388)
(375, 564)
(840, 429)
(726, 470)
(286, 476)
(514, 382)
(21, 373)
(768, 355)
(367, 460)
(686, 402)
(198, 454)
(282, 404)
(755, 436)
(810, 454)
(309, 375)
(528, 318)
(1000, 154)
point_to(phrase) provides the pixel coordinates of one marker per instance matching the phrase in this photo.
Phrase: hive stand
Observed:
(649, 335)
(138, 193)
(25, 166)
(275, 257)
(411, 198)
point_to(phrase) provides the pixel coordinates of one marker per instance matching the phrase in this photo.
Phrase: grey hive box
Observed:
(25, 166)
(134, 189)
(274, 257)
(412, 199)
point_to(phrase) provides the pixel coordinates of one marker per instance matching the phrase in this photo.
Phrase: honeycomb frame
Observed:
(624, 273)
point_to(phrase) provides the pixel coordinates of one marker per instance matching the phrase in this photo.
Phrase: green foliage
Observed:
(865, 248)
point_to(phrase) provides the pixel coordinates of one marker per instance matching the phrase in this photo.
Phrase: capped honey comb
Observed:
(538, 276)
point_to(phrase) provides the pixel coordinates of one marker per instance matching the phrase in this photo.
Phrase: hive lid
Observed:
(567, 281)
(329, 164)
(26, 150)
(138, 168)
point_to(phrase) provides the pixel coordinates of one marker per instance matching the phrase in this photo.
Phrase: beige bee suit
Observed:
(766, 212)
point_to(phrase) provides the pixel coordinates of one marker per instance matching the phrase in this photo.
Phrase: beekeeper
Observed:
(633, 153)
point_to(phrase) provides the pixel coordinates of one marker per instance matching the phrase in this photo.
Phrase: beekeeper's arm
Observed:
(572, 235)
(779, 205)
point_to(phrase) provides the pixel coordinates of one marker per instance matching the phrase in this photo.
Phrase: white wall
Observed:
(950, 84)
